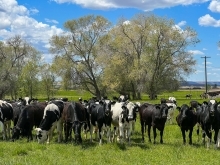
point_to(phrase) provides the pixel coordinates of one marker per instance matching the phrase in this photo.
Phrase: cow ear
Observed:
(178, 108)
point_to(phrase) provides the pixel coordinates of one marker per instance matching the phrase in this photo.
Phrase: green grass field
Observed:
(172, 152)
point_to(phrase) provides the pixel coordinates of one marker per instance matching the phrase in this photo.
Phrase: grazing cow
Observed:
(6, 115)
(51, 119)
(122, 117)
(101, 118)
(188, 96)
(186, 120)
(30, 116)
(74, 116)
(155, 116)
(209, 120)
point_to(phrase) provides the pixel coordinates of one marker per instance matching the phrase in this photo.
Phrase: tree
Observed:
(47, 80)
(149, 52)
(12, 58)
(79, 46)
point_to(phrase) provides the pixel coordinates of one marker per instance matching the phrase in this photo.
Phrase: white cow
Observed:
(51, 120)
(171, 110)
(122, 117)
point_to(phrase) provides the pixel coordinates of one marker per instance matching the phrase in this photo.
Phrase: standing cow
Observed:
(186, 120)
(6, 116)
(51, 119)
(155, 116)
(122, 117)
(74, 116)
(101, 118)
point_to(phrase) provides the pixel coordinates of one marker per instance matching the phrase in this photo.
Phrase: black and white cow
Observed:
(6, 116)
(122, 119)
(30, 116)
(101, 117)
(51, 119)
(210, 121)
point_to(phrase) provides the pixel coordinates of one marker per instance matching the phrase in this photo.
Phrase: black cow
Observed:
(74, 116)
(101, 118)
(186, 120)
(17, 108)
(30, 116)
(51, 118)
(155, 116)
(210, 120)
(6, 115)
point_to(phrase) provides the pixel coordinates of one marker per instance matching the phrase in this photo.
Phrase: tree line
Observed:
(144, 54)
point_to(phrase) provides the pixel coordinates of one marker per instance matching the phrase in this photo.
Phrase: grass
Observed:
(172, 152)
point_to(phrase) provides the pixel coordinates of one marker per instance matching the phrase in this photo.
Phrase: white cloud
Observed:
(51, 21)
(196, 52)
(16, 20)
(207, 20)
(182, 23)
(214, 6)
(147, 5)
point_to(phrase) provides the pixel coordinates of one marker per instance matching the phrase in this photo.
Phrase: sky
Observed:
(37, 21)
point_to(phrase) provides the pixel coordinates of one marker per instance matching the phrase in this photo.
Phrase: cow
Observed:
(101, 118)
(30, 116)
(172, 107)
(173, 99)
(188, 96)
(123, 98)
(171, 110)
(74, 116)
(17, 108)
(186, 120)
(51, 119)
(154, 115)
(6, 116)
(122, 117)
(209, 121)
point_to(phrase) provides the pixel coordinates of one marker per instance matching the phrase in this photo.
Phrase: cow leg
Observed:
(218, 140)
(60, 130)
(183, 135)
(148, 131)
(121, 132)
(161, 136)
(142, 130)
(197, 131)
(190, 136)
(67, 130)
(215, 135)
(100, 134)
(155, 134)
(91, 132)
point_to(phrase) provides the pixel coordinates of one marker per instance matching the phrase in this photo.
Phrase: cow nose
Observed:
(130, 118)
(164, 116)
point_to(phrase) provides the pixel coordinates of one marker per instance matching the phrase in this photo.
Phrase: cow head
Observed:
(15, 132)
(42, 135)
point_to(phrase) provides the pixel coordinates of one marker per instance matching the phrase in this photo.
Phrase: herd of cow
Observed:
(98, 116)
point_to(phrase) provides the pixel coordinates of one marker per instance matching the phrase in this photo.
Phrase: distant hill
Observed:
(200, 83)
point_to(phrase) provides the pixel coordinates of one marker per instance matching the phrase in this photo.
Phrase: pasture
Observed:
(172, 152)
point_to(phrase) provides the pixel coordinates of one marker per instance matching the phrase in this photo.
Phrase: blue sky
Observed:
(37, 20)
